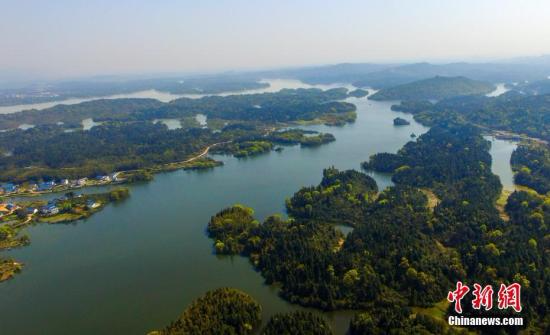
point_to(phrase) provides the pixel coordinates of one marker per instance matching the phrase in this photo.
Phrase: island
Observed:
(231, 311)
(400, 122)
(358, 93)
(221, 311)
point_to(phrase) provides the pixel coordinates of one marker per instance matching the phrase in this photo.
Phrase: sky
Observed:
(64, 38)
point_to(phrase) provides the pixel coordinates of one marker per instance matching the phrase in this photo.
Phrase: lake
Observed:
(135, 266)
(501, 152)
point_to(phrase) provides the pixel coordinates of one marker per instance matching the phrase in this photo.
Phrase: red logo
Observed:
(483, 297)
(508, 296)
(457, 295)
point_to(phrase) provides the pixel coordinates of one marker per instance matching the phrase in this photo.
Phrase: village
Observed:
(14, 212)
(14, 189)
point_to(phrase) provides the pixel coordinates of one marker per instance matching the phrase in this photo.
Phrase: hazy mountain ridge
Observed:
(436, 88)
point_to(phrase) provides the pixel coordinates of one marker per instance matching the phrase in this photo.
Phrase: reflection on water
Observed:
(170, 123)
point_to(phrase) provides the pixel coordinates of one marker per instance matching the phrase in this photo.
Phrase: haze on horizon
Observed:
(67, 38)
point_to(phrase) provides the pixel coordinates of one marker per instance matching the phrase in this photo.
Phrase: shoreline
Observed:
(144, 174)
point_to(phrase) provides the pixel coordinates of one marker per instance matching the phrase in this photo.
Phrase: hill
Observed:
(491, 72)
(436, 88)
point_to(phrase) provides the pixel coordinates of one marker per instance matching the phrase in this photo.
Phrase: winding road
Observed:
(205, 152)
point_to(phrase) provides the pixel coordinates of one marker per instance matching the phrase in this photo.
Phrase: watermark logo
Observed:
(483, 297)
(457, 295)
(508, 297)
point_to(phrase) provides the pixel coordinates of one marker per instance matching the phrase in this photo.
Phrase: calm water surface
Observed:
(136, 265)
(501, 152)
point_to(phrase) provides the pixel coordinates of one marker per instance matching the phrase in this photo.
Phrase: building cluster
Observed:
(45, 186)
(7, 208)
(53, 207)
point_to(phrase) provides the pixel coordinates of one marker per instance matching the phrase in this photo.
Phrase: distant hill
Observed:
(491, 72)
(436, 88)
(327, 74)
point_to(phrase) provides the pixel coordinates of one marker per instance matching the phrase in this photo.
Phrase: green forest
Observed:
(231, 311)
(512, 112)
(128, 140)
(531, 164)
(221, 311)
(287, 105)
(426, 247)
(296, 323)
(253, 145)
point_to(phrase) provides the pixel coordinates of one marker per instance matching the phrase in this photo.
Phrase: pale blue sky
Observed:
(85, 37)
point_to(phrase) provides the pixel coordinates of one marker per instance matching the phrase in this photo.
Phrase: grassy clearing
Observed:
(437, 311)
(433, 200)
(501, 204)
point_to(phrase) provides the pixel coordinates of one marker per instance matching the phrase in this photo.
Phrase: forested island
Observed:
(128, 140)
(15, 216)
(284, 106)
(434, 89)
(400, 122)
(358, 93)
(258, 145)
(230, 311)
(427, 245)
